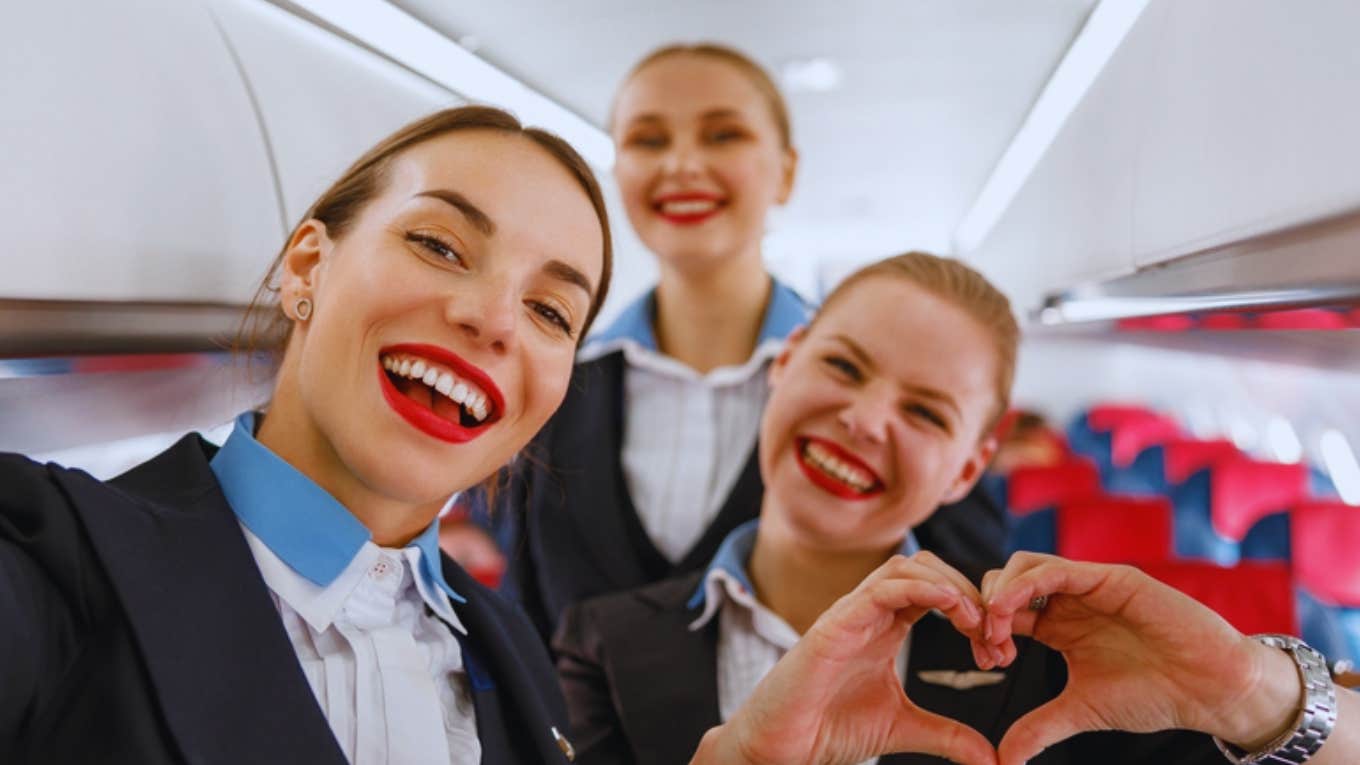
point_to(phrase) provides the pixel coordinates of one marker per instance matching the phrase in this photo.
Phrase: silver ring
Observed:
(1038, 604)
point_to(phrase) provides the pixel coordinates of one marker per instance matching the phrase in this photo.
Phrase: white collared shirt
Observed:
(686, 438)
(379, 652)
(751, 637)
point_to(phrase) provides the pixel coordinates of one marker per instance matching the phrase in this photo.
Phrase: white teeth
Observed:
(474, 401)
(852, 476)
(689, 206)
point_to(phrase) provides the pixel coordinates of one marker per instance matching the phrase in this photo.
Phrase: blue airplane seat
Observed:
(1268, 539)
(1193, 533)
(1036, 531)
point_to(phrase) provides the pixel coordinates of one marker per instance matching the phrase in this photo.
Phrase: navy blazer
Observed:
(574, 533)
(136, 628)
(642, 688)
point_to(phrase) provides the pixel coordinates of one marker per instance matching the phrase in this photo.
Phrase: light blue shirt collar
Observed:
(735, 554)
(785, 313)
(300, 522)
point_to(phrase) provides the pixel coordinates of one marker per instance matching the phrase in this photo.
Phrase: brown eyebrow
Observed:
(923, 391)
(474, 214)
(559, 270)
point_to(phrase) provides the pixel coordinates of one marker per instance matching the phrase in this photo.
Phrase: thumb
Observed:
(1058, 720)
(928, 733)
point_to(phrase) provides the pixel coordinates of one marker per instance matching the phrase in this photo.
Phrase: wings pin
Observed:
(960, 681)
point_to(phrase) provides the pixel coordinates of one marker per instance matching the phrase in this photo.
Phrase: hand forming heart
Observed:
(1137, 653)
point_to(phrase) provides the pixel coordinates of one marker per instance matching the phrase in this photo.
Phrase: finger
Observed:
(997, 630)
(1035, 576)
(929, 733)
(966, 615)
(1058, 720)
(934, 564)
(912, 597)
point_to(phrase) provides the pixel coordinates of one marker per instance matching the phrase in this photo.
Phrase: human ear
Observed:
(788, 170)
(300, 269)
(781, 361)
(971, 470)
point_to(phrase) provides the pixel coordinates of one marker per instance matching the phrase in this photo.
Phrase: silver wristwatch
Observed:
(1316, 719)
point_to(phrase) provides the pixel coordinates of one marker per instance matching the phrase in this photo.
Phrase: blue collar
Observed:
(299, 521)
(785, 313)
(735, 552)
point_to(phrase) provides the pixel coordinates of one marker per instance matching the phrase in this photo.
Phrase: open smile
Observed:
(688, 208)
(438, 392)
(836, 470)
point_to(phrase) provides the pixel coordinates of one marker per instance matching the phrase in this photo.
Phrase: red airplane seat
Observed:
(1184, 456)
(1253, 597)
(1243, 491)
(1129, 438)
(1113, 529)
(1301, 318)
(1035, 488)
(1324, 537)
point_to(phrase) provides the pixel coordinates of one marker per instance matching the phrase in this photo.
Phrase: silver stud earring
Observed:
(303, 309)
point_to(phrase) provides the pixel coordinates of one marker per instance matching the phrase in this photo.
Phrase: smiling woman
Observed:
(289, 585)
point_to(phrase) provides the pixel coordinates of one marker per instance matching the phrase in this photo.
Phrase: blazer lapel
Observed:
(512, 702)
(228, 680)
(588, 465)
(667, 680)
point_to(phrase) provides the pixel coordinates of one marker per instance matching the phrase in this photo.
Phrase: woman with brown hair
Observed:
(282, 599)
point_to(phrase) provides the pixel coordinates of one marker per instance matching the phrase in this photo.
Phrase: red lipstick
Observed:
(687, 218)
(826, 482)
(424, 418)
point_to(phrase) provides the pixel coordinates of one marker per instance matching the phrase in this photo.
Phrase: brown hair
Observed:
(264, 326)
(952, 281)
(754, 72)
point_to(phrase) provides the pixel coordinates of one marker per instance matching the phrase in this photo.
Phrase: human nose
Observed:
(684, 159)
(486, 314)
(868, 415)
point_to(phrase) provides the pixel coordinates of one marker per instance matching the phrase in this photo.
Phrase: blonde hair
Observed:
(761, 79)
(952, 281)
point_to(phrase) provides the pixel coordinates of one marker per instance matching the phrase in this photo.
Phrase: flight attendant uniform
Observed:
(648, 465)
(218, 606)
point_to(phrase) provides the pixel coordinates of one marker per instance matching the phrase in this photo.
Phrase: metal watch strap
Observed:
(1315, 720)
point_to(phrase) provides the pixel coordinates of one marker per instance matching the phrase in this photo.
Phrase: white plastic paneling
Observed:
(324, 99)
(1215, 121)
(1255, 126)
(1070, 221)
(133, 165)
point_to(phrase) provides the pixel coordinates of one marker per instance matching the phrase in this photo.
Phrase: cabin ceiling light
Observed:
(408, 41)
(1341, 466)
(1284, 442)
(1095, 45)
